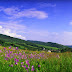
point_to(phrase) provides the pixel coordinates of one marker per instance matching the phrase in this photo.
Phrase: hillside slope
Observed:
(22, 44)
(48, 44)
(30, 45)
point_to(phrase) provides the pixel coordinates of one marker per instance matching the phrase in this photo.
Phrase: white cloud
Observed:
(46, 5)
(13, 25)
(64, 38)
(70, 23)
(15, 12)
(0, 27)
(12, 29)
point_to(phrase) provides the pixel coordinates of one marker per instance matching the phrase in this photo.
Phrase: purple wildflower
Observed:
(27, 61)
(6, 58)
(24, 66)
(16, 48)
(15, 63)
(8, 55)
(11, 65)
(10, 47)
(4, 48)
(32, 68)
(26, 69)
(39, 66)
(22, 62)
(0, 51)
(15, 59)
(19, 53)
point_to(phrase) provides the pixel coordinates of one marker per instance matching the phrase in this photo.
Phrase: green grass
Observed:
(48, 47)
(49, 62)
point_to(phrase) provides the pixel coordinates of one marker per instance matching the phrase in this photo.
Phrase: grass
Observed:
(47, 62)
(48, 47)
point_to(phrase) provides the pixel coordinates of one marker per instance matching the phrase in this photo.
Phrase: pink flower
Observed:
(21, 62)
(6, 58)
(19, 53)
(32, 68)
(8, 55)
(11, 65)
(10, 52)
(27, 61)
(17, 60)
(4, 48)
(15, 63)
(10, 47)
(24, 66)
(39, 66)
(16, 48)
(26, 69)
(0, 51)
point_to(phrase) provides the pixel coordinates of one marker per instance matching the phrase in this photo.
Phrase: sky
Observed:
(40, 20)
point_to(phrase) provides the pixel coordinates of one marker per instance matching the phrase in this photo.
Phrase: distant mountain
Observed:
(48, 44)
(69, 46)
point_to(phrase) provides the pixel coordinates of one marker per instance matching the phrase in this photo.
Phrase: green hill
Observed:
(51, 44)
(22, 44)
(7, 41)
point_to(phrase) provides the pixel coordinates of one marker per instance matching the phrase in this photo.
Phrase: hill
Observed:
(22, 44)
(48, 44)
(7, 41)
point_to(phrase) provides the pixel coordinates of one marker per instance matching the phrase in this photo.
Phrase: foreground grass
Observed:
(15, 60)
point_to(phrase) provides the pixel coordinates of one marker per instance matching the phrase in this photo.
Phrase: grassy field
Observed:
(18, 60)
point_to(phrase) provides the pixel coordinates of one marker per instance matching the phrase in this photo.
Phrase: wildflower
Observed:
(10, 47)
(39, 66)
(4, 48)
(22, 62)
(0, 51)
(26, 69)
(11, 65)
(27, 61)
(32, 68)
(17, 60)
(8, 55)
(16, 48)
(15, 63)
(57, 56)
(19, 53)
(24, 66)
(6, 58)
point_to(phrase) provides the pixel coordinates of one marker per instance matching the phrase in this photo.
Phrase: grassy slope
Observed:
(51, 44)
(49, 62)
(7, 41)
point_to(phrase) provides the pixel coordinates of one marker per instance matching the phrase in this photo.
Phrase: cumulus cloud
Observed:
(15, 12)
(11, 29)
(13, 25)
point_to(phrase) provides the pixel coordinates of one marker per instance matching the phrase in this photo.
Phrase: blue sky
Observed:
(41, 20)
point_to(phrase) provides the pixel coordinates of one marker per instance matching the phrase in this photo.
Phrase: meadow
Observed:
(13, 59)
